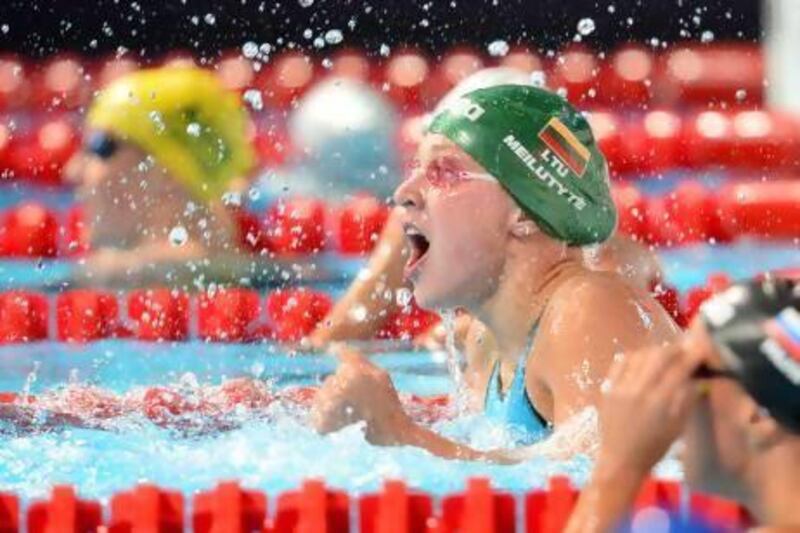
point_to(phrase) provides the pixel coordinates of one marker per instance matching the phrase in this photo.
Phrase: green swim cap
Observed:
(542, 151)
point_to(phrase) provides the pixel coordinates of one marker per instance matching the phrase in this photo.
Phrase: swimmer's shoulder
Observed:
(601, 310)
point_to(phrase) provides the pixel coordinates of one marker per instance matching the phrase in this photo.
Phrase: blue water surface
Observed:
(273, 455)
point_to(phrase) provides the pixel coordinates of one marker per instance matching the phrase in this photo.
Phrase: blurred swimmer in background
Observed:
(343, 137)
(163, 147)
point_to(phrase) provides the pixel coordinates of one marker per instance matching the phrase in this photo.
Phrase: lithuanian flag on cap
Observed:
(565, 146)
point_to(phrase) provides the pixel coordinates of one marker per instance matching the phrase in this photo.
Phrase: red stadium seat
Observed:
(62, 83)
(576, 70)
(286, 78)
(626, 78)
(405, 76)
(14, 83)
(729, 74)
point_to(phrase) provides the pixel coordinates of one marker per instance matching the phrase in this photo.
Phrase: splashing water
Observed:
(30, 379)
(498, 48)
(456, 364)
(178, 236)
(586, 26)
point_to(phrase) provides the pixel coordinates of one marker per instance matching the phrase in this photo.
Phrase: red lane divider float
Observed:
(159, 314)
(234, 315)
(229, 508)
(147, 508)
(23, 317)
(691, 213)
(294, 313)
(64, 512)
(301, 226)
(314, 507)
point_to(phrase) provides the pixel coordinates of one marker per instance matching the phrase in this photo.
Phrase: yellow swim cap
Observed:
(185, 119)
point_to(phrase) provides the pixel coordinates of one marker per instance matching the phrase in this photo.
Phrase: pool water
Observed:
(271, 455)
(277, 454)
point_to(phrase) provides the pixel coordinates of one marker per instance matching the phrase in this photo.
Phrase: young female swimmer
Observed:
(383, 275)
(508, 189)
(731, 389)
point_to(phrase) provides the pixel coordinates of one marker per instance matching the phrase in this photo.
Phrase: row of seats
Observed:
(644, 143)
(684, 74)
(314, 507)
(691, 213)
(160, 314)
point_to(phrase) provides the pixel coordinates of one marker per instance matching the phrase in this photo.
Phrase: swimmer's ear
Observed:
(522, 226)
(763, 432)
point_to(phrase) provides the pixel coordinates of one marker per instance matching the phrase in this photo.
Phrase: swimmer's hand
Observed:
(643, 411)
(360, 391)
(645, 407)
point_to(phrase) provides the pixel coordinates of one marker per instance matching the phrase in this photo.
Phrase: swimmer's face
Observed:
(108, 177)
(457, 225)
(716, 455)
(102, 165)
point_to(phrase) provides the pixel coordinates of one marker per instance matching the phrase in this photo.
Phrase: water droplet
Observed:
(741, 94)
(210, 19)
(358, 313)
(319, 42)
(157, 120)
(307, 33)
(586, 26)
(612, 8)
(334, 36)
(193, 129)
(498, 48)
(253, 99)
(306, 3)
(254, 193)
(538, 78)
(327, 63)
(178, 236)
(424, 23)
(385, 50)
(707, 36)
(250, 49)
(562, 92)
(403, 297)
(4, 28)
(232, 199)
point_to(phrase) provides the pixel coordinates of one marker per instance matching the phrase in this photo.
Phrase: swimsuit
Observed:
(515, 409)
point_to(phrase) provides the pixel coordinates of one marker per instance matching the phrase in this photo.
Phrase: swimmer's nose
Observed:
(73, 170)
(409, 193)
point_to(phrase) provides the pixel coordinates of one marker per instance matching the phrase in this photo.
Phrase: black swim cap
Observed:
(756, 326)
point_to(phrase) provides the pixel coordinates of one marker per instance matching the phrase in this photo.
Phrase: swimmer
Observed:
(342, 134)
(634, 261)
(161, 150)
(731, 389)
(507, 192)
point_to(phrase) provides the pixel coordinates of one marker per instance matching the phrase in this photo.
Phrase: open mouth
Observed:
(418, 245)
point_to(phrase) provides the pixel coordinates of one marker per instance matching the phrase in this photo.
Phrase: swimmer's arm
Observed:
(385, 270)
(606, 500)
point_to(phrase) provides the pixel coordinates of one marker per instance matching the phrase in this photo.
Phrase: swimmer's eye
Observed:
(100, 145)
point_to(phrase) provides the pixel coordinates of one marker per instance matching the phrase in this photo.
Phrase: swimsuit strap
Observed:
(515, 408)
